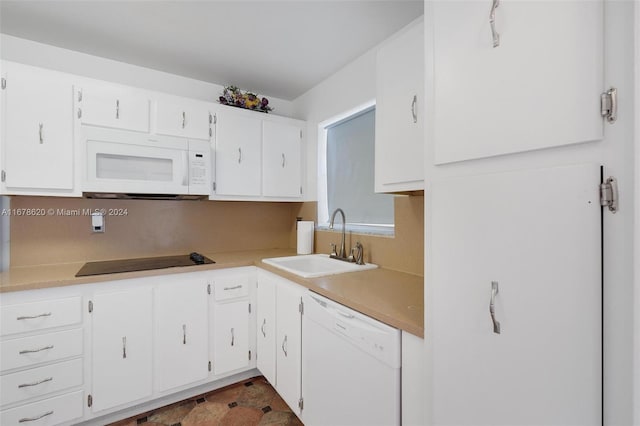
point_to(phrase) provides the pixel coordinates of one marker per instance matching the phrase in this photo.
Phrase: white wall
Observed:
(55, 58)
(350, 87)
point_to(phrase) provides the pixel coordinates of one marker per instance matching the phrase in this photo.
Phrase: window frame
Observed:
(323, 210)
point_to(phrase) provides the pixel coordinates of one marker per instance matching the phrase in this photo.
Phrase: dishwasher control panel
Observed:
(372, 336)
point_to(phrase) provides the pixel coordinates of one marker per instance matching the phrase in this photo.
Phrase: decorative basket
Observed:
(247, 100)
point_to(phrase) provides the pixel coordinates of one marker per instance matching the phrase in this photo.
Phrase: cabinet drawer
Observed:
(40, 381)
(33, 350)
(51, 411)
(33, 316)
(230, 288)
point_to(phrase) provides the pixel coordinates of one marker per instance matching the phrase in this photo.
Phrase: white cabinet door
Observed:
(37, 131)
(121, 350)
(281, 162)
(536, 233)
(181, 332)
(238, 154)
(231, 337)
(190, 120)
(539, 88)
(117, 107)
(289, 343)
(400, 112)
(266, 327)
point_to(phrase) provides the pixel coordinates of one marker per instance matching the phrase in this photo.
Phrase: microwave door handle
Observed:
(185, 168)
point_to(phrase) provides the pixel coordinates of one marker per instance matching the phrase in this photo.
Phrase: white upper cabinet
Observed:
(114, 106)
(181, 330)
(190, 119)
(400, 112)
(257, 157)
(539, 86)
(281, 161)
(238, 154)
(37, 131)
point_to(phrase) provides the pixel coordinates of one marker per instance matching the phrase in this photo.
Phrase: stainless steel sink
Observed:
(315, 265)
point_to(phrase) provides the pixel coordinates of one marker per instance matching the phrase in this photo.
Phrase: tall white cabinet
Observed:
(513, 262)
(37, 132)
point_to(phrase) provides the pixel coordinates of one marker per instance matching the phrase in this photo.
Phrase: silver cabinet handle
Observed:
(492, 309)
(235, 287)
(27, 317)
(264, 322)
(284, 345)
(609, 104)
(414, 114)
(283, 160)
(124, 347)
(31, 351)
(40, 125)
(33, 419)
(118, 109)
(233, 337)
(184, 118)
(344, 314)
(239, 155)
(39, 382)
(184, 334)
(492, 22)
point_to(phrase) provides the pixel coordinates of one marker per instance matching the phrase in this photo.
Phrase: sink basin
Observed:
(315, 265)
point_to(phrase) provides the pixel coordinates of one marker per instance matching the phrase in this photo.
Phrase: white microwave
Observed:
(122, 164)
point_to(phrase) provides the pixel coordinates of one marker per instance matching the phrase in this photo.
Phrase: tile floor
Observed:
(248, 403)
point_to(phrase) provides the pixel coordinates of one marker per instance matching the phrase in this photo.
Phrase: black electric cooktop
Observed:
(141, 264)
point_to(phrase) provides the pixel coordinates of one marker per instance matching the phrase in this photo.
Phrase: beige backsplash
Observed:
(157, 228)
(402, 252)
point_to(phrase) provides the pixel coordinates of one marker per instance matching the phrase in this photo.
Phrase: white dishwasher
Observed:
(350, 367)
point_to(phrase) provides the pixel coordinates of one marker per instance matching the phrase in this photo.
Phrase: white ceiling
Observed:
(274, 48)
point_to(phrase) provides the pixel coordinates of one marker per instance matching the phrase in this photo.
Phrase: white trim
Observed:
(323, 211)
(636, 222)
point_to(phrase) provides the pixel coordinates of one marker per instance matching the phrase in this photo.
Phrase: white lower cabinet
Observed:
(181, 347)
(279, 325)
(122, 356)
(231, 321)
(41, 358)
(52, 411)
(266, 326)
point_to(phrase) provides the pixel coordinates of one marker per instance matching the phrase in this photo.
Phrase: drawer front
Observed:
(25, 317)
(228, 288)
(49, 412)
(40, 381)
(33, 350)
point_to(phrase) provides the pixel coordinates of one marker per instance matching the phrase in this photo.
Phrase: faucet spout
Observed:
(342, 252)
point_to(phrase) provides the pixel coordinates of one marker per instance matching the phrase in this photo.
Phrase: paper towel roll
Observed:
(305, 237)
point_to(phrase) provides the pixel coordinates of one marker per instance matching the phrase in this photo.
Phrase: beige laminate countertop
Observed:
(395, 298)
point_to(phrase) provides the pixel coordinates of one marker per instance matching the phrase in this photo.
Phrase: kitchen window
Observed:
(346, 174)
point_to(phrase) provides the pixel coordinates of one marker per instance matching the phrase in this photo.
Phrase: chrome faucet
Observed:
(341, 254)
